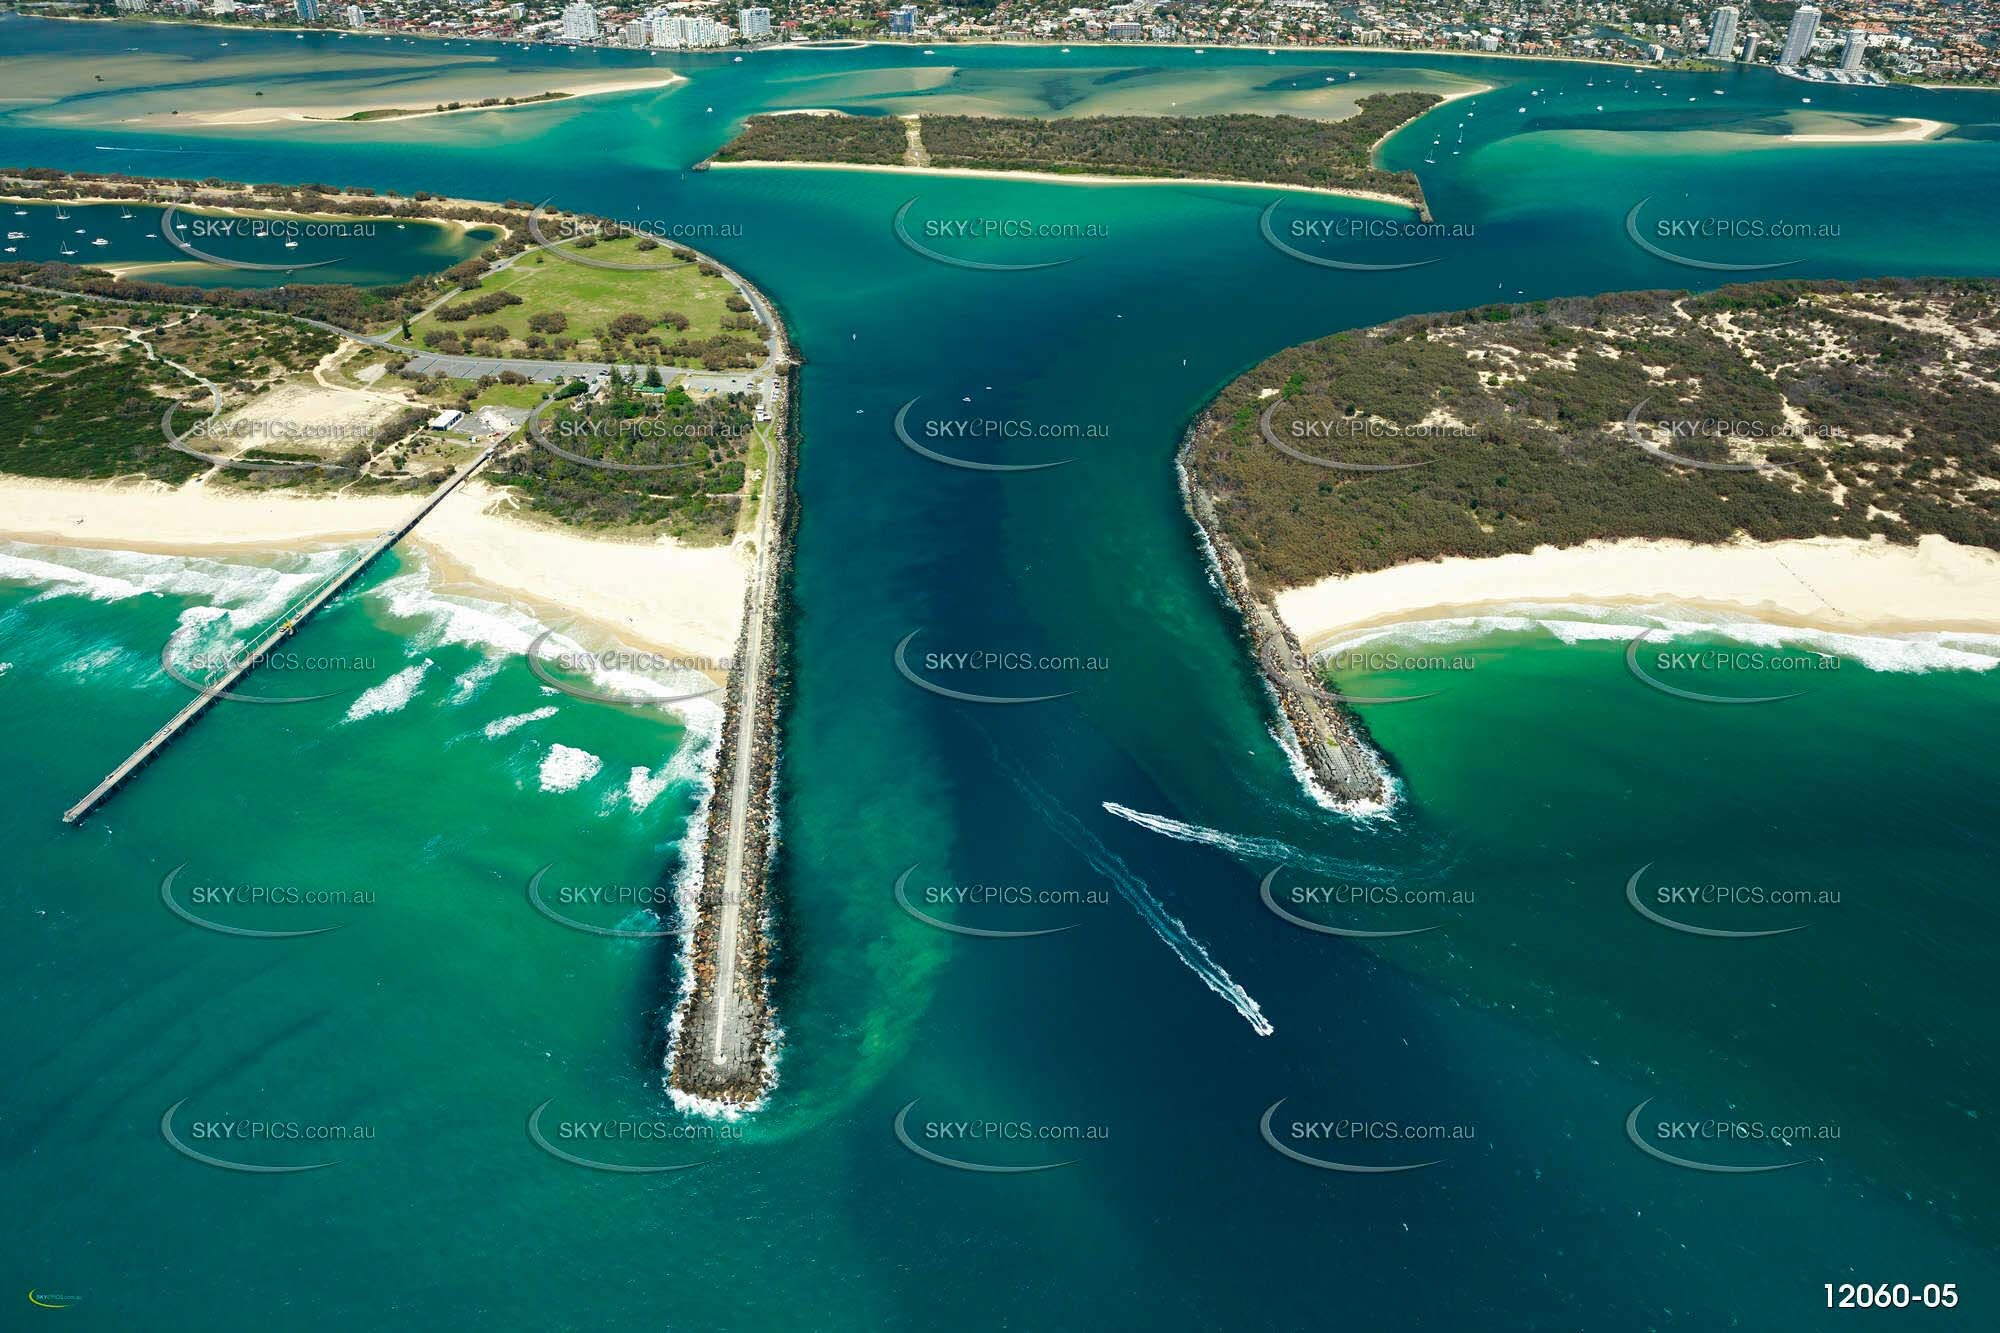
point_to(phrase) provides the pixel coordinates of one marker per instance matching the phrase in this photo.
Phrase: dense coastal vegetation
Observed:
(878, 140)
(1879, 399)
(693, 452)
(86, 388)
(1288, 150)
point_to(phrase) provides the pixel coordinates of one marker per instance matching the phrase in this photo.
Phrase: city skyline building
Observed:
(579, 22)
(1722, 33)
(1799, 37)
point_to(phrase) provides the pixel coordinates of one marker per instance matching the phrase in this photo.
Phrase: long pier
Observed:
(287, 624)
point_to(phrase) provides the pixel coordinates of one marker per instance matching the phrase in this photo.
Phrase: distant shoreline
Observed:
(1634, 63)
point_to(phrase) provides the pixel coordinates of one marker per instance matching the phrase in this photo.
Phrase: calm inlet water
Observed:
(413, 806)
(333, 248)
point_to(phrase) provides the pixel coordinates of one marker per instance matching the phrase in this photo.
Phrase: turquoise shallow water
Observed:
(446, 1009)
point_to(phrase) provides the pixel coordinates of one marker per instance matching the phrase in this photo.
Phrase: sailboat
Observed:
(62, 214)
(126, 214)
(66, 250)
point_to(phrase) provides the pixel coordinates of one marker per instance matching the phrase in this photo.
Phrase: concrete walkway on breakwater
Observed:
(722, 1049)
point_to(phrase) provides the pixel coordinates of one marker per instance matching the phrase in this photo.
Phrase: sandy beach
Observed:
(338, 114)
(659, 595)
(1061, 178)
(1903, 129)
(1840, 584)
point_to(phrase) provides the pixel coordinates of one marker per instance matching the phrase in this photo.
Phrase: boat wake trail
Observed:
(1133, 889)
(1250, 848)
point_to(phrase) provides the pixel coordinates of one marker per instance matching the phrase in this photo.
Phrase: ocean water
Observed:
(1144, 1043)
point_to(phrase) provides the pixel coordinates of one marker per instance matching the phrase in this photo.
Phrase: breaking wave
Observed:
(565, 768)
(1942, 650)
(392, 695)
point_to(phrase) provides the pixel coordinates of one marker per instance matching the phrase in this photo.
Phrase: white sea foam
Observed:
(1572, 624)
(503, 726)
(643, 786)
(471, 681)
(392, 695)
(247, 592)
(1134, 890)
(565, 768)
(92, 663)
